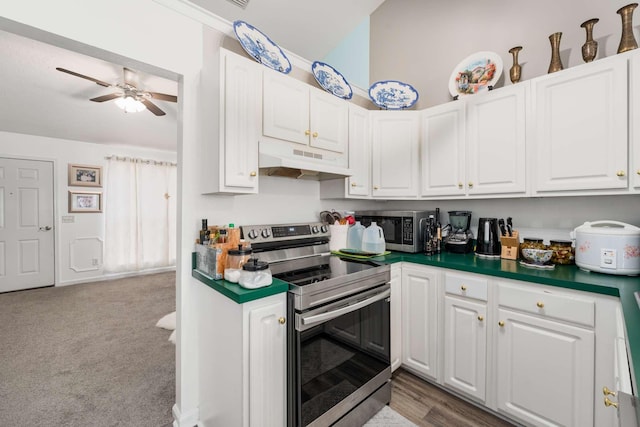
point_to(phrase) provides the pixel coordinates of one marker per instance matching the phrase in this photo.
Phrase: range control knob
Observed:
(324, 228)
(252, 234)
(314, 229)
(266, 233)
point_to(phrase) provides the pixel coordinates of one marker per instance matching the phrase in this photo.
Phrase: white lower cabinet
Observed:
(465, 334)
(545, 370)
(396, 316)
(419, 319)
(538, 355)
(242, 353)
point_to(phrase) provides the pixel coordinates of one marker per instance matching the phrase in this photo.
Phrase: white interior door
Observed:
(26, 224)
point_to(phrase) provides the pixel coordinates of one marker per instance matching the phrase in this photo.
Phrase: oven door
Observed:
(340, 357)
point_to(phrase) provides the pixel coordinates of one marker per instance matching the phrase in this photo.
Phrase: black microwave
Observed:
(403, 230)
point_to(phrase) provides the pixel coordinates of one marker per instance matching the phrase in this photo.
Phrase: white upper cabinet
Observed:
(359, 184)
(395, 154)
(634, 117)
(580, 128)
(443, 150)
(297, 112)
(496, 141)
(232, 158)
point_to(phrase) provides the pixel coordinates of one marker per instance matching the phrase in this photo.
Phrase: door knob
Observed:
(315, 134)
(252, 173)
(480, 318)
(620, 173)
(307, 132)
(46, 228)
(470, 184)
(282, 320)
(501, 324)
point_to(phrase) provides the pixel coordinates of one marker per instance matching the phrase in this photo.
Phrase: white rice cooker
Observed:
(610, 247)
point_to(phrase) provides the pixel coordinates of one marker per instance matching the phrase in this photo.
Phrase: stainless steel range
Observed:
(339, 369)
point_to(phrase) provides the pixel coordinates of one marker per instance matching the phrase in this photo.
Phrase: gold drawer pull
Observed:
(375, 187)
(608, 402)
(620, 173)
(282, 320)
(470, 184)
(252, 173)
(540, 304)
(315, 134)
(501, 324)
(353, 184)
(480, 318)
(460, 185)
(307, 132)
(607, 392)
(463, 288)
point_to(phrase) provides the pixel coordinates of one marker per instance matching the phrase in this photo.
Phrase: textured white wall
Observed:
(421, 41)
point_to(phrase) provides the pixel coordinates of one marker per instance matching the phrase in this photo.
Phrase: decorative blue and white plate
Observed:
(331, 80)
(261, 48)
(475, 74)
(393, 95)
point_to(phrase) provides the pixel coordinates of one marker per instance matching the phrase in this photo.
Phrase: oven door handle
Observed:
(344, 310)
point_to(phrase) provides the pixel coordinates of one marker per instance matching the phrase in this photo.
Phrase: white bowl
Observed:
(537, 256)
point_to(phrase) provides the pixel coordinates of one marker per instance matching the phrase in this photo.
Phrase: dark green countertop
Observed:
(565, 276)
(236, 292)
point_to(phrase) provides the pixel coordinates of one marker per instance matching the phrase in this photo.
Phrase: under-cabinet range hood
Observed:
(288, 160)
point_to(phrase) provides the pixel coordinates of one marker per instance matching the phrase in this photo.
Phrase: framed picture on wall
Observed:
(85, 176)
(85, 201)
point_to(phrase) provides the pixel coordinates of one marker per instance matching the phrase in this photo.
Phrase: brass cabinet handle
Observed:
(307, 132)
(470, 184)
(501, 324)
(638, 171)
(375, 187)
(253, 173)
(282, 320)
(463, 288)
(353, 184)
(315, 134)
(608, 402)
(620, 173)
(540, 304)
(480, 318)
(607, 392)
(460, 185)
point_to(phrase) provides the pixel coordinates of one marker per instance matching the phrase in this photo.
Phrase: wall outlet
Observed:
(68, 219)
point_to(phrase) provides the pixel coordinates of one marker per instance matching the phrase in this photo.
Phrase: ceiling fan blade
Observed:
(106, 97)
(163, 96)
(82, 76)
(152, 107)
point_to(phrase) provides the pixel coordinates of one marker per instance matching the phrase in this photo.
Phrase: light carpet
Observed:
(88, 355)
(387, 417)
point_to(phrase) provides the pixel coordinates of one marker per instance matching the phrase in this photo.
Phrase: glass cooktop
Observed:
(326, 267)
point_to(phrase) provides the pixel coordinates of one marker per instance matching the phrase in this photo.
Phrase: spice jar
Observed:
(531, 243)
(563, 252)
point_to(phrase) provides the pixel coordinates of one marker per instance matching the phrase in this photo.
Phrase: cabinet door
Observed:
(359, 184)
(443, 150)
(545, 370)
(396, 316)
(634, 116)
(328, 121)
(420, 320)
(267, 364)
(395, 153)
(580, 127)
(242, 123)
(496, 132)
(465, 346)
(285, 108)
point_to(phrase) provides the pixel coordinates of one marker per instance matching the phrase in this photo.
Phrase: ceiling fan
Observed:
(128, 96)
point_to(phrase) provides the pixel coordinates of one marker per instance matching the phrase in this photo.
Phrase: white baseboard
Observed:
(189, 419)
(115, 276)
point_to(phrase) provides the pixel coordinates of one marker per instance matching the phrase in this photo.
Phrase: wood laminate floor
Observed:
(429, 406)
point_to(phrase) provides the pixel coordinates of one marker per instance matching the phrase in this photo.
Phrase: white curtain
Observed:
(140, 215)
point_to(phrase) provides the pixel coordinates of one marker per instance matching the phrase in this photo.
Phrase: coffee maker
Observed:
(488, 243)
(460, 238)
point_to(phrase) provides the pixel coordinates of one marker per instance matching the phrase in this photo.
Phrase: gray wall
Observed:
(421, 41)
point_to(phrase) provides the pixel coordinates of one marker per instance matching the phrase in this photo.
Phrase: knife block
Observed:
(510, 245)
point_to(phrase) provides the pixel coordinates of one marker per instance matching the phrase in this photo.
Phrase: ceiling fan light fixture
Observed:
(129, 104)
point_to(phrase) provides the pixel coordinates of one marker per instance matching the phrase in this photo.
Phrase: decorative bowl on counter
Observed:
(537, 256)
